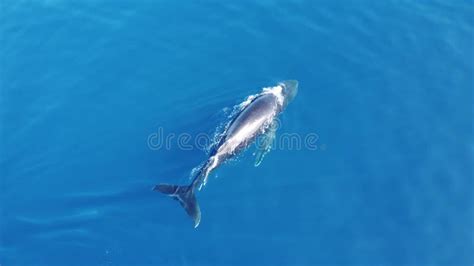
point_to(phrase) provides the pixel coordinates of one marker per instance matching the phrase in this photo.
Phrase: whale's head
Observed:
(289, 90)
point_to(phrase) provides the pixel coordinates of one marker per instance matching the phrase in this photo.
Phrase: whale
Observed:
(255, 118)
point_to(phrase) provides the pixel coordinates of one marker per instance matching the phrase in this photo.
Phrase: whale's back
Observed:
(250, 123)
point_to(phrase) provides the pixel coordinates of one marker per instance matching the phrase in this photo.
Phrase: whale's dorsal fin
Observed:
(264, 144)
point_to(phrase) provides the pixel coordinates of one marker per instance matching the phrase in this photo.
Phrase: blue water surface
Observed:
(386, 85)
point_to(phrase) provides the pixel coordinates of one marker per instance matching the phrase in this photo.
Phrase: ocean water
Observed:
(387, 86)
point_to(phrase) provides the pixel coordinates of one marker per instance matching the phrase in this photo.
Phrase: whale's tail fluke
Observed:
(185, 196)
